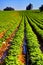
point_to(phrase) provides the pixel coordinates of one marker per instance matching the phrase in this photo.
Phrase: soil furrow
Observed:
(6, 44)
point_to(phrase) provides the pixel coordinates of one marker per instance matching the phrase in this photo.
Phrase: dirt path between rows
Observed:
(6, 44)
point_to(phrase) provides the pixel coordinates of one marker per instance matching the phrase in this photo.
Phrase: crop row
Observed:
(7, 19)
(36, 16)
(15, 52)
(6, 44)
(38, 24)
(13, 26)
(36, 56)
(36, 28)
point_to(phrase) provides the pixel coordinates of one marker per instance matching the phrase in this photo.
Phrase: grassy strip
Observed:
(36, 56)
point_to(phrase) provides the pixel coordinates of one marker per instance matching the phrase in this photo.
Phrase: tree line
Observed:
(29, 7)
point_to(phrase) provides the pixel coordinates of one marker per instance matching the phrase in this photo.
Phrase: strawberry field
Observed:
(21, 38)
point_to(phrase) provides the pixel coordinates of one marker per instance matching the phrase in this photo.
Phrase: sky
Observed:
(20, 4)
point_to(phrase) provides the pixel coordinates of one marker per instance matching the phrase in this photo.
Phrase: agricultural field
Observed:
(21, 37)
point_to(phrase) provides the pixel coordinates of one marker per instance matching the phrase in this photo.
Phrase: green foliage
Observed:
(37, 29)
(9, 22)
(36, 56)
(15, 50)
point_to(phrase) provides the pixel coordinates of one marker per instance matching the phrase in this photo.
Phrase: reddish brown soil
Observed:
(6, 44)
(21, 56)
(2, 34)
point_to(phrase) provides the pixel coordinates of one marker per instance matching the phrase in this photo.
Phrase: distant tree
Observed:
(41, 8)
(29, 7)
(8, 9)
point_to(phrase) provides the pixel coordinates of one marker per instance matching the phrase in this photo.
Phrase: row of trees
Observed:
(29, 7)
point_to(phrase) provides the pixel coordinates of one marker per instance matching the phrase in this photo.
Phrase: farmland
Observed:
(15, 27)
